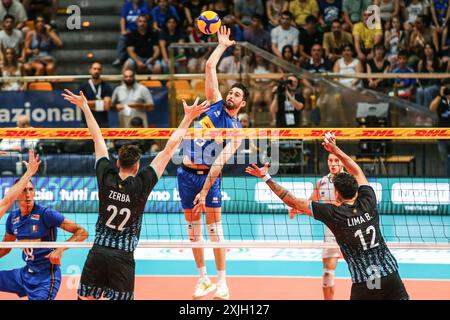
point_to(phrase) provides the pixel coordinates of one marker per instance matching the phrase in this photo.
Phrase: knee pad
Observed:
(195, 230)
(215, 231)
(328, 278)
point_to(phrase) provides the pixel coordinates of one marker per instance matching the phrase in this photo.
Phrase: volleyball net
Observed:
(402, 165)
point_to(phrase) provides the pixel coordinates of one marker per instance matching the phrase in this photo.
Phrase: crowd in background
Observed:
(342, 36)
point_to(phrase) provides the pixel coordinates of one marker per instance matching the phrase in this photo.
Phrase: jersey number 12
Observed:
(123, 212)
(370, 229)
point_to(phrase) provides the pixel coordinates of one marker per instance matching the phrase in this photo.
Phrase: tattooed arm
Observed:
(301, 205)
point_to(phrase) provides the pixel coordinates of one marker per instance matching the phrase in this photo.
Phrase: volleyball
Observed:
(209, 22)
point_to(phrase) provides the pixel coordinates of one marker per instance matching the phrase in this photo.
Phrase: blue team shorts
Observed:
(39, 285)
(190, 184)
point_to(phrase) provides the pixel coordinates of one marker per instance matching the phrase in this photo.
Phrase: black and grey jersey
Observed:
(121, 205)
(357, 231)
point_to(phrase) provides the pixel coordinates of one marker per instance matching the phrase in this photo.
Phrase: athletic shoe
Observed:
(203, 287)
(222, 292)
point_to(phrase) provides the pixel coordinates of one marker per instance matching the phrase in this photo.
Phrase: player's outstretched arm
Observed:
(315, 196)
(32, 166)
(190, 113)
(79, 234)
(212, 91)
(352, 167)
(81, 102)
(299, 204)
(214, 172)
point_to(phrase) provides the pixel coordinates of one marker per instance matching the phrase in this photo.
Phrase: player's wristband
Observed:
(99, 105)
(267, 178)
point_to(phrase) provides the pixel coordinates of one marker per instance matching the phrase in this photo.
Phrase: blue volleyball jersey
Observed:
(41, 224)
(201, 151)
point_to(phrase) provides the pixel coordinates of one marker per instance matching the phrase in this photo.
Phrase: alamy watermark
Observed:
(374, 19)
(374, 280)
(73, 22)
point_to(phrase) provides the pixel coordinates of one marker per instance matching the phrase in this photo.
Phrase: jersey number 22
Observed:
(123, 212)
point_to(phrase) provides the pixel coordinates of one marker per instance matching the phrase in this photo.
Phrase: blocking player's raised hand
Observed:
(33, 163)
(195, 110)
(258, 172)
(79, 100)
(329, 142)
(223, 36)
(292, 213)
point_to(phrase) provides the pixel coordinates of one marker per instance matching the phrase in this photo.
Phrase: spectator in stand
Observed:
(245, 10)
(317, 64)
(413, 10)
(197, 56)
(274, 11)
(309, 35)
(287, 104)
(287, 53)
(45, 8)
(10, 37)
(161, 13)
(256, 35)
(301, 9)
(445, 46)
(146, 145)
(352, 12)
(19, 145)
(378, 64)
(131, 10)
(348, 65)
(421, 34)
(405, 87)
(366, 36)
(441, 105)
(98, 93)
(284, 34)
(440, 12)
(231, 64)
(192, 10)
(173, 34)
(427, 89)
(12, 68)
(334, 41)
(143, 49)
(15, 9)
(395, 40)
(39, 45)
(179, 7)
(261, 96)
(222, 7)
(329, 11)
(388, 9)
(131, 100)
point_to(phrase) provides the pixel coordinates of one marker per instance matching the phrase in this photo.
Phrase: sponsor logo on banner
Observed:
(263, 194)
(420, 193)
(378, 188)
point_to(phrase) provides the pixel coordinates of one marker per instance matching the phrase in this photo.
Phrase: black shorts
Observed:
(390, 287)
(109, 273)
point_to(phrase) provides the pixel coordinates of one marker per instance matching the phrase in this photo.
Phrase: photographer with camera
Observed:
(441, 105)
(287, 103)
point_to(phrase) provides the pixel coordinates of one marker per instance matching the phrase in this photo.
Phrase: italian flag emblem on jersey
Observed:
(34, 228)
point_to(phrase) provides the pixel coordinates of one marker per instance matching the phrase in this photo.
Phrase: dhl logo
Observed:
(206, 133)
